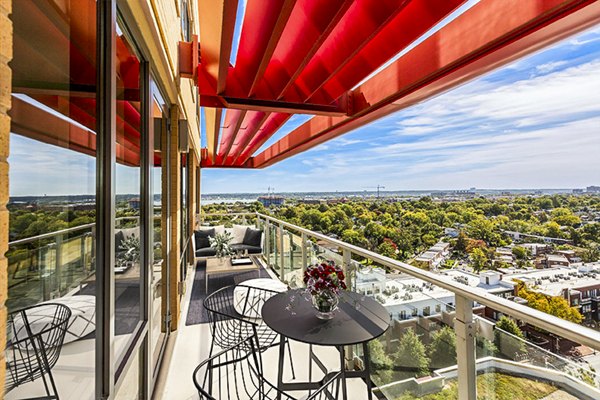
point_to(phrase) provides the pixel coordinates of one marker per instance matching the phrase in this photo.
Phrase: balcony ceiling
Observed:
(325, 58)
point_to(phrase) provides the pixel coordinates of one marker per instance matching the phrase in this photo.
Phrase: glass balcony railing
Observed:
(52, 265)
(442, 342)
(47, 266)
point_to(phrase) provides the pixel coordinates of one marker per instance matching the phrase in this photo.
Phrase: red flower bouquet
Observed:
(324, 282)
(324, 277)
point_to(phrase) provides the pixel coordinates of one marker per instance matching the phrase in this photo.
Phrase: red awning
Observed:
(310, 57)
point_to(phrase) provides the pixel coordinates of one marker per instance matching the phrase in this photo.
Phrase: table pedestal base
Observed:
(365, 374)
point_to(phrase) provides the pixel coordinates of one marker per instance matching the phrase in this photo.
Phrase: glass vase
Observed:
(325, 302)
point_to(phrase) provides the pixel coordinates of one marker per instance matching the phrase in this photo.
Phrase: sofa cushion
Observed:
(220, 229)
(243, 247)
(201, 238)
(238, 233)
(131, 232)
(253, 237)
(206, 252)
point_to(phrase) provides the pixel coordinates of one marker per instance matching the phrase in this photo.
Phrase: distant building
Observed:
(569, 254)
(593, 189)
(536, 249)
(370, 280)
(134, 203)
(556, 260)
(435, 255)
(577, 191)
(311, 201)
(269, 201)
(579, 285)
(517, 236)
(451, 232)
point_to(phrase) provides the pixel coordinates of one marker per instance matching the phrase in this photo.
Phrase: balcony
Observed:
(464, 349)
(444, 317)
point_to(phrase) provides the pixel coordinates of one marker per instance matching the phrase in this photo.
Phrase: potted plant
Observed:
(129, 252)
(324, 282)
(221, 243)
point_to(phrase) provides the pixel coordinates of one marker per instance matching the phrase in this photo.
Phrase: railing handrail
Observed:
(550, 323)
(60, 232)
(51, 234)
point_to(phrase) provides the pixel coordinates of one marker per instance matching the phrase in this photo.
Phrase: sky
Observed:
(532, 124)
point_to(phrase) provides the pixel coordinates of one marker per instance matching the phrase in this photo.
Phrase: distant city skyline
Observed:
(533, 124)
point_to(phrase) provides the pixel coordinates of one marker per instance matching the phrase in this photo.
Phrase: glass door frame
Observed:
(111, 369)
(166, 218)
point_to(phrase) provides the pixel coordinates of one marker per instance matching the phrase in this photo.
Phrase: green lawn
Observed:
(495, 386)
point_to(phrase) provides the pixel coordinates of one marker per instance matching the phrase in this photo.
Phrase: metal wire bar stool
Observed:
(230, 323)
(234, 374)
(35, 337)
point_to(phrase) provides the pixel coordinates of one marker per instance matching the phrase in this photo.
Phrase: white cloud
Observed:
(549, 67)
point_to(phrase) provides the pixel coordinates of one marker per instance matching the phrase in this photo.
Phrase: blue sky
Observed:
(531, 124)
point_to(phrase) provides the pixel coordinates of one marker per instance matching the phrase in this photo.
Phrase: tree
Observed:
(509, 338)
(520, 253)
(442, 350)
(565, 217)
(479, 260)
(353, 237)
(485, 347)
(381, 363)
(553, 229)
(411, 354)
(484, 229)
(461, 242)
(387, 248)
(590, 254)
(553, 305)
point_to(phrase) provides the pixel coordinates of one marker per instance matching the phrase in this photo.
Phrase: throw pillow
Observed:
(253, 237)
(201, 238)
(220, 229)
(238, 233)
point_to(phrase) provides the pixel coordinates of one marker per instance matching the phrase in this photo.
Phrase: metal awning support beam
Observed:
(506, 30)
(337, 108)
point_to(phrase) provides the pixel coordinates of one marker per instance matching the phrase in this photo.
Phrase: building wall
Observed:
(5, 90)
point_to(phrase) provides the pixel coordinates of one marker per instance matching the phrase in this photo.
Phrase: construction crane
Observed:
(376, 187)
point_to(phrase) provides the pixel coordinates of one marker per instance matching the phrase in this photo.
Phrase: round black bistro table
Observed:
(357, 320)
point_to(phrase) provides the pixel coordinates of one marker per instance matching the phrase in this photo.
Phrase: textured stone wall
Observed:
(5, 89)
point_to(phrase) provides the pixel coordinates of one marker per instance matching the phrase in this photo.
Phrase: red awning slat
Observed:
(252, 123)
(232, 125)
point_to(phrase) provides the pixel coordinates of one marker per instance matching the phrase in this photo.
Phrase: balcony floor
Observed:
(189, 346)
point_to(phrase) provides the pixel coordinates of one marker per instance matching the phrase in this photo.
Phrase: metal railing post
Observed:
(347, 260)
(58, 263)
(464, 326)
(267, 228)
(291, 239)
(281, 255)
(304, 253)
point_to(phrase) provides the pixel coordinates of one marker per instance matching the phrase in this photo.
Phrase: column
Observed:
(6, 39)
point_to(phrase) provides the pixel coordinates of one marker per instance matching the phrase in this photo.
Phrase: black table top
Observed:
(358, 319)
